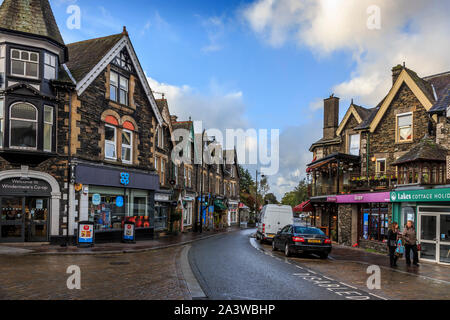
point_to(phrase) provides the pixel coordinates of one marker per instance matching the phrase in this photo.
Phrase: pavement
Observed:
(109, 248)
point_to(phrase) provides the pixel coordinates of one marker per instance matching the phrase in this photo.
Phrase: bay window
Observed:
(48, 128)
(2, 117)
(110, 142)
(404, 127)
(127, 146)
(23, 126)
(24, 63)
(49, 66)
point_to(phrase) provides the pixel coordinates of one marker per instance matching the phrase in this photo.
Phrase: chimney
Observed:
(330, 117)
(396, 72)
(173, 118)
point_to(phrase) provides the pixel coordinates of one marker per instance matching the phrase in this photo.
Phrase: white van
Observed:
(274, 217)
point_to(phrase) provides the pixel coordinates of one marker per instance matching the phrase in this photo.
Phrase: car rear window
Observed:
(305, 230)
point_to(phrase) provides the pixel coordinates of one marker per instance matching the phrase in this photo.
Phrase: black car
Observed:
(301, 239)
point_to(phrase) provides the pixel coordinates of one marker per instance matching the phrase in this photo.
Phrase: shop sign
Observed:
(162, 197)
(129, 232)
(18, 186)
(431, 195)
(85, 234)
(381, 197)
(96, 199)
(119, 202)
(125, 178)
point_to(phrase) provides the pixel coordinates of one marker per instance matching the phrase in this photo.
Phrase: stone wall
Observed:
(345, 213)
(374, 245)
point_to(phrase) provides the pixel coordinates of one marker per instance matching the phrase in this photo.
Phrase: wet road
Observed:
(229, 267)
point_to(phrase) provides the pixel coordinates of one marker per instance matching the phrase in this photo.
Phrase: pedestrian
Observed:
(410, 236)
(392, 243)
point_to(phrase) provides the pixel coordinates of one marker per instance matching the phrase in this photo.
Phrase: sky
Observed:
(268, 64)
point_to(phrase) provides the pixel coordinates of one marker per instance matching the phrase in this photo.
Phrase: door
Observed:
(36, 219)
(428, 226)
(444, 238)
(12, 219)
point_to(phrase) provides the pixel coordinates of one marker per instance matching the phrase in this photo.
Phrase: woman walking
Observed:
(410, 236)
(392, 242)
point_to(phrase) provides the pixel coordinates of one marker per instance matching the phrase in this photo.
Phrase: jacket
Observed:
(410, 236)
(392, 238)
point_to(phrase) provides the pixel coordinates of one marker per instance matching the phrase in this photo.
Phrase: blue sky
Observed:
(269, 63)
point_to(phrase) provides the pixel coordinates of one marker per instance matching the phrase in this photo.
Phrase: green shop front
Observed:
(429, 209)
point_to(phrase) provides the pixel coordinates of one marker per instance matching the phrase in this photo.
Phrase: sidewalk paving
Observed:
(426, 270)
(110, 248)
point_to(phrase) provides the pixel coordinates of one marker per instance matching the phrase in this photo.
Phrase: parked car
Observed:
(272, 219)
(296, 238)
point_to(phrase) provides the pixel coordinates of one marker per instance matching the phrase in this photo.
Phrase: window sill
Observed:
(404, 142)
(120, 105)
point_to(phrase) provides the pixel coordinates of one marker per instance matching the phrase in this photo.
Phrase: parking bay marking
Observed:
(339, 288)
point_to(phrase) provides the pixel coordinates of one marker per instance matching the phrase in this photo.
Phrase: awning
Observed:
(304, 207)
(219, 205)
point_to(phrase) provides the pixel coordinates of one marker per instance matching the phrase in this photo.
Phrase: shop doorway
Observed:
(434, 234)
(24, 219)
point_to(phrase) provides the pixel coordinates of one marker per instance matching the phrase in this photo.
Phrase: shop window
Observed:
(110, 142)
(50, 66)
(127, 146)
(408, 214)
(24, 63)
(23, 126)
(375, 222)
(404, 127)
(354, 144)
(48, 128)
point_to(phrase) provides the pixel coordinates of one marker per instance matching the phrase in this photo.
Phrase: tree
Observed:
(270, 198)
(264, 187)
(246, 180)
(297, 196)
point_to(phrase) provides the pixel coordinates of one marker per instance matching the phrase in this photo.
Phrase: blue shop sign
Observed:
(119, 202)
(125, 178)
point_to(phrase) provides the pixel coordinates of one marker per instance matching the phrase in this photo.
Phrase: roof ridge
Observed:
(95, 39)
(436, 75)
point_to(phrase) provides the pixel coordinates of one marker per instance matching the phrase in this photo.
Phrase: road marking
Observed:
(382, 298)
(343, 283)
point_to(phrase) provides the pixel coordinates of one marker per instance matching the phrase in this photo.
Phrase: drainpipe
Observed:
(69, 160)
(368, 155)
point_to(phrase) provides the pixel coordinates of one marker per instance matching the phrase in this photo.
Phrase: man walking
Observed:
(410, 237)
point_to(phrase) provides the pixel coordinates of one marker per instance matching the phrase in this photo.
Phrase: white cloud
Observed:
(412, 31)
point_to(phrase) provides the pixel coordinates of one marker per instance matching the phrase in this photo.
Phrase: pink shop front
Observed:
(363, 219)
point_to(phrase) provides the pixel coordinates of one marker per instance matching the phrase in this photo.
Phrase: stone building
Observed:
(375, 151)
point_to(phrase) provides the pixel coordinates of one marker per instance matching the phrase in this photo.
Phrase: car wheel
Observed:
(287, 252)
(274, 247)
(323, 256)
(261, 240)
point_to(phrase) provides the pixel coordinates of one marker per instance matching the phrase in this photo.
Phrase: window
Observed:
(48, 128)
(127, 146)
(175, 172)
(163, 172)
(2, 66)
(375, 223)
(23, 126)
(110, 142)
(24, 63)
(381, 166)
(354, 144)
(113, 86)
(404, 127)
(123, 90)
(160, 137)
(49, 66)
(2, 117)
(156, 164)
(189, 178)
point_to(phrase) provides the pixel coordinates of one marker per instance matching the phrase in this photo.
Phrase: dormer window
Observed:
(405, 127)
(50, 66)
(24, 63)
(354, 144)
(23, 126)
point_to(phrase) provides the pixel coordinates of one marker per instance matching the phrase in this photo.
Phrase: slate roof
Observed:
(163, 107)
(84, 55)
(440, 82)
(364, 113)
(30, 16)
(424, 85)
(426, 150)
(443, 103)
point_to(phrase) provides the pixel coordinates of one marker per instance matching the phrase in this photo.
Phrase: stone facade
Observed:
(345, 224)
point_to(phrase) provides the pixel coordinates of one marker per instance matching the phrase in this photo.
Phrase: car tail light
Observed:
(264, 228)
(327, 241)
(298, 239)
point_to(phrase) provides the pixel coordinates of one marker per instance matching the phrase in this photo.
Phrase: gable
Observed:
(91, 75)
(350, 112)
(404, 77)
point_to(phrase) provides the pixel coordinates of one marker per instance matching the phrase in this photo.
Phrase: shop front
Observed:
(110, 197)
(233, 215)
(29, 203)
(326, 215)
(163, 204)
(363, 219)
(430, 211)
(188, 211)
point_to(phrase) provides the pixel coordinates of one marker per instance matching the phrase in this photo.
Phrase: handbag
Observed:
(392, 243)
(419, 247)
